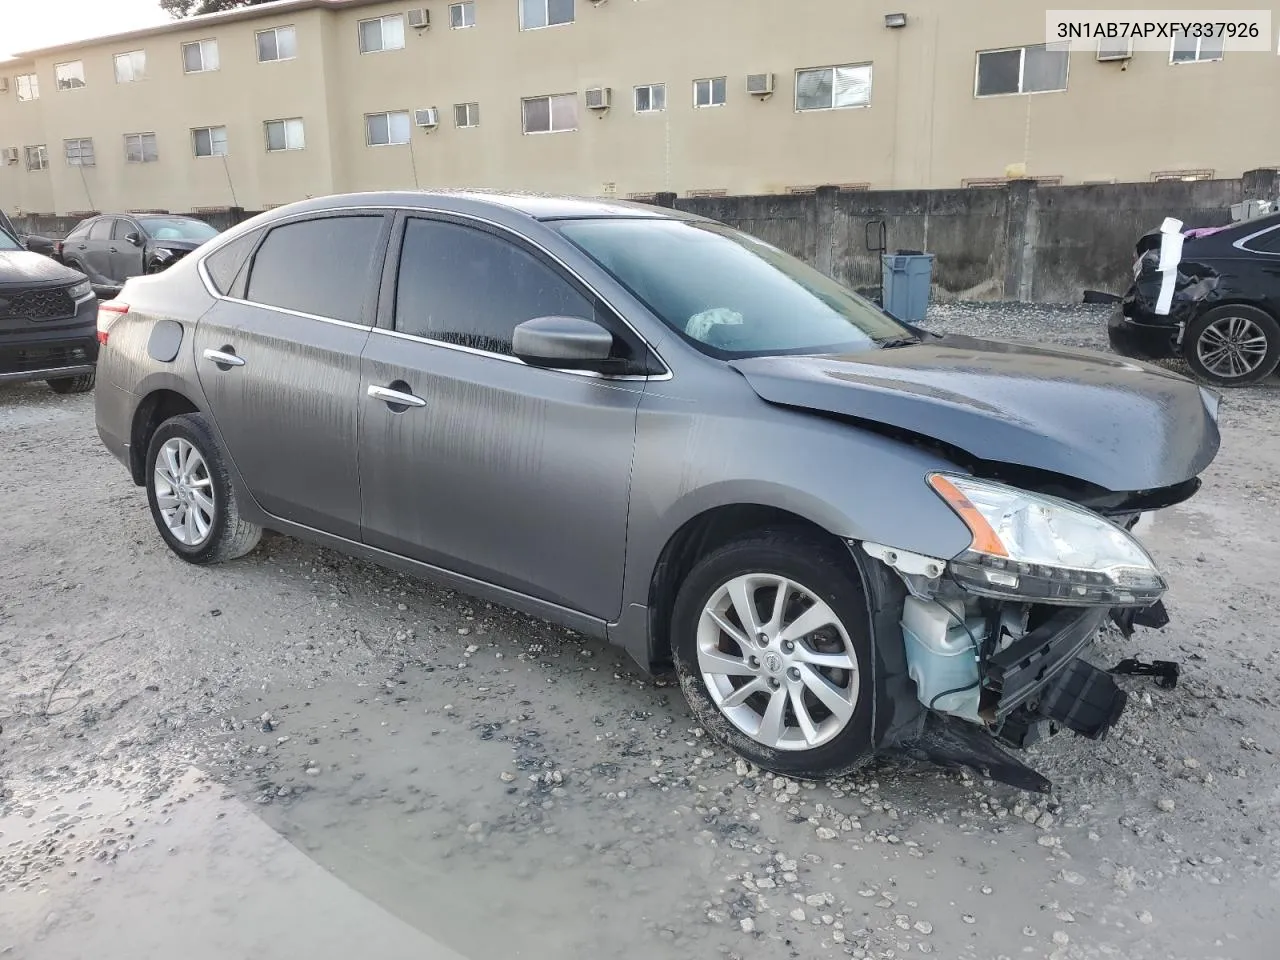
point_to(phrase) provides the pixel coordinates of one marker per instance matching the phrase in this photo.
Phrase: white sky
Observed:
(30, 24)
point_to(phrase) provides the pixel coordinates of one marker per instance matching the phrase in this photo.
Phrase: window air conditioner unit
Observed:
(1118, 49)
(4, 84)
(420, 19)
(427, 117)
(599, 98)
(10, 154)
(760, 84)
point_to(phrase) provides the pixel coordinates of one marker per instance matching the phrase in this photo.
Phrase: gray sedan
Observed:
(842, 532)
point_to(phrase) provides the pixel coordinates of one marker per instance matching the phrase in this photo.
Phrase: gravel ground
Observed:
(326, 757)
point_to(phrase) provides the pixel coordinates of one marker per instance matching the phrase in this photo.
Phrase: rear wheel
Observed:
(772, 647)
(82, 383)
(190, 493)
(1233, 345)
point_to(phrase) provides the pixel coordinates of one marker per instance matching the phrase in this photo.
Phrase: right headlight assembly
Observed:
(1034, 548)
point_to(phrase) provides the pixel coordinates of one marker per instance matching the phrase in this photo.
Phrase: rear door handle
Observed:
(395, 398)
(114, 250)
(223, 359)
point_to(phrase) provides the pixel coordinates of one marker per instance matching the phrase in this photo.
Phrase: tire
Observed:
(1251, 330)
(81, 383)
(817, 572)
(222, 535)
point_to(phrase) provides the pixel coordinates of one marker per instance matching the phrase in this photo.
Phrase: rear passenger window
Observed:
(225, 263)
(321, 267)
(466, 286)
(101, 230)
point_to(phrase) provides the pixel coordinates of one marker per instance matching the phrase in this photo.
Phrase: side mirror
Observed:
(134, 237)
(565, 343)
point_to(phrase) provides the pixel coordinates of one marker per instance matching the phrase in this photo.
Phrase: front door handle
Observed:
(223, 359)
(395, 398)
(114, 250)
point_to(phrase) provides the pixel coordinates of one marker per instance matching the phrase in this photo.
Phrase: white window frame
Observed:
(635, 97)
(204, 59)
(466, 5)
(136, 70)
(832, 70)
(213, 141)
(470, 124)
(41, 155)
(31, 81)
(711, 90)
(546, 12)
(368, 140)
(382, 33)
(57, 80)
(1173, 47)
(141, 139)
(1022, 67)
(551, 114)
(80, 152)
(289, 126)
(257, 48)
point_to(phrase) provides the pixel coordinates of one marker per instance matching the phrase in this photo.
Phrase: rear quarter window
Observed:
(1268, 242)
(226, 263)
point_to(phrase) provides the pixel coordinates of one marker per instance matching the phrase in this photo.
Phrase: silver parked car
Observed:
(655, 429)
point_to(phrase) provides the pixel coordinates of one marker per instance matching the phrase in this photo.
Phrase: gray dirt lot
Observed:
(437, 775)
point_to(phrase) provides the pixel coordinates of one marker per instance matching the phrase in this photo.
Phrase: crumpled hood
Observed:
(22, 268)
(1116, 423)
(180, 246)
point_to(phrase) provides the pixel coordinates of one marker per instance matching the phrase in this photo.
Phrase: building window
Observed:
(70, 75)
(140, 148)
(384, 33)
(285, 135)
(37, 157)
(200, 56)
(1195, 49)
(651, 98)
(386, 129)
(1036, 69)
(535, 14)
(131, 66)
(709, 93)
(462, 15)
(79, 153)
(833, 88)
(209, 141)
(466, 115)
(278, 43)
(555, 114)
(28, 85)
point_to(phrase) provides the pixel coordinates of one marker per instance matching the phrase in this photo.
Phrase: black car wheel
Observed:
(82, 383)
(1232, 345)
(772, 647)
(190, 493)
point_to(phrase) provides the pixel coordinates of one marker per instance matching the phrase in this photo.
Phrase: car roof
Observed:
(538, 206)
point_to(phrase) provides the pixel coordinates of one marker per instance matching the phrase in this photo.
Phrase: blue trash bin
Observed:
(908, 279)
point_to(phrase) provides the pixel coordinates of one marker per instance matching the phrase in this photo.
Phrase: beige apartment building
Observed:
(266, 105)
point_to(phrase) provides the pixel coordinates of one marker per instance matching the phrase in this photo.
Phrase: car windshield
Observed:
(728, 293)
(177, 228)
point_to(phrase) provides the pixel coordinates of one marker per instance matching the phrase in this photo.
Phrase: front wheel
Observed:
(190, 493)
(1233, 345)
(82, 383)
(772, 647)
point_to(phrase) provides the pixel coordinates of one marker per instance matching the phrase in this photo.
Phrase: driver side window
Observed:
(466, 286)
(122, 229)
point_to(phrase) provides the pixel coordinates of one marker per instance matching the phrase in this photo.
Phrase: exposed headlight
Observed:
(1030, 547)
(81, 291)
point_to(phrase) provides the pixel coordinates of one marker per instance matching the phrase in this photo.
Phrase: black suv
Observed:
(48, 320)
(109, 249)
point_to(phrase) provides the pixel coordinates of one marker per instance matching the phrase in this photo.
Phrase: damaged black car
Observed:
(1210, 296)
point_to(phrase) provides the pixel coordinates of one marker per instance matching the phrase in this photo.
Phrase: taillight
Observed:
(57, 247)
(108, 314)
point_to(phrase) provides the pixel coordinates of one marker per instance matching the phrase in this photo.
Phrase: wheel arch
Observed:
(154, 409)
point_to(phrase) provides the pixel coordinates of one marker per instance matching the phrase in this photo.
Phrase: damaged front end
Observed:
(993, 637)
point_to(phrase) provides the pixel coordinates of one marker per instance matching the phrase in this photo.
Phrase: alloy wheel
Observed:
(1232, 347)
(184, 492)
(777, 662)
